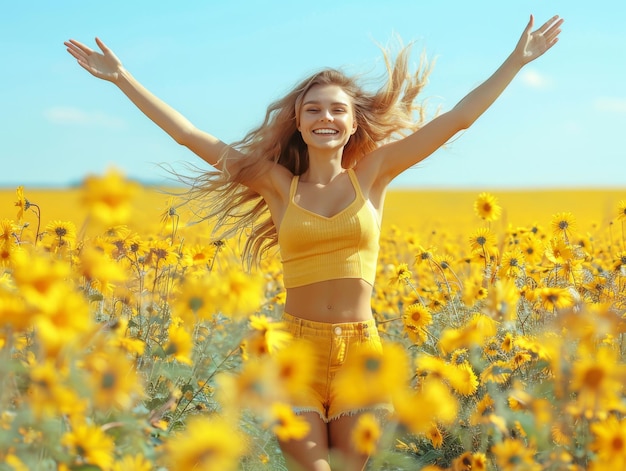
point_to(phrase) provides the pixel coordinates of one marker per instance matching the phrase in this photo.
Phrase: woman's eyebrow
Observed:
(317, 102)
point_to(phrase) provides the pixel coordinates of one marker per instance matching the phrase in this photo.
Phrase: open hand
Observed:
(533, 44)
(103, 65)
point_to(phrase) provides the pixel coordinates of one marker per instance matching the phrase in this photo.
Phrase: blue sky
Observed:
(559, 124)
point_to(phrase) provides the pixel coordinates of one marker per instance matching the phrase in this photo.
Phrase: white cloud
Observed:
(534, 79)
(70, 115)
(610, 104)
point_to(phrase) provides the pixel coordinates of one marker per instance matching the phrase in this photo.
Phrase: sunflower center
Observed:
(372, 364)
(552, 298)
(287, 371)
(195, 303)
(593, 378)
(108, 380)
(160, 253)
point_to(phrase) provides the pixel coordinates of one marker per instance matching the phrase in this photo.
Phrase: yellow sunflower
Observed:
(482, 239)
(369, 376)
(90, 445)
(597, 380)
(7, 232)
(267, 336)
(22, 203)
(621, 210)
(563, 224)
(109, 198)
(401, 274)
(619, 262)
(366, 434)
(609, 443)
(514, 455)
(474, 333)
(207, 444)
(194, 302)
(416, 319)
(435, 436)
(532, 248)
(512, 263)
(295, 368)
(286, 424)
(462, 378)
(113, 379)
(180, 343)
(433, 402)
(486, 207)
(49, 394)
(497, 372)
(552, 298)
(137, 463)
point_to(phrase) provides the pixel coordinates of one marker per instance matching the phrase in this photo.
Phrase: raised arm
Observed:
(396, 157)
(108, 67)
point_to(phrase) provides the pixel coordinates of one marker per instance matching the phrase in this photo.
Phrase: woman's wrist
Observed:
(121, 76)
(516, 59)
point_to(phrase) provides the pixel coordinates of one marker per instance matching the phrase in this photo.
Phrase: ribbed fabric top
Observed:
(318, 248)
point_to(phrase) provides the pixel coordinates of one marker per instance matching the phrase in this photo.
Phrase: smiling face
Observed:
(326, 118)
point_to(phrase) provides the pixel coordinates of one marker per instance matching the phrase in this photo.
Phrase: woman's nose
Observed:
(327, 115)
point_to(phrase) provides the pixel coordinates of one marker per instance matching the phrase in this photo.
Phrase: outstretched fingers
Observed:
(78, 50)
(553, 22)
(102, 46)
(551, 30)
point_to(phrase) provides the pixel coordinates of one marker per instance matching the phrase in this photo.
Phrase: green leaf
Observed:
(95, 297)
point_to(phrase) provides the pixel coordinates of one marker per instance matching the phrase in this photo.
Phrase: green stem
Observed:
(38, 213)
(204, 383)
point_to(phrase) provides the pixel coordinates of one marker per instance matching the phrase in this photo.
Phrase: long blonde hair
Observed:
(389, 113)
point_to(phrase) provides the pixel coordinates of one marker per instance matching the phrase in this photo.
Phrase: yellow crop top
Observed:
(317, 248)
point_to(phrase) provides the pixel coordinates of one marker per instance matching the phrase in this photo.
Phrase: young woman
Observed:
(318, 167)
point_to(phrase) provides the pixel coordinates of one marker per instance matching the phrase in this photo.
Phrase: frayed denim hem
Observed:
(375, 408)
(301, 410)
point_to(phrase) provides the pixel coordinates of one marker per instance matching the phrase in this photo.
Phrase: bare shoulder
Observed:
(272, 184)
(281, 180)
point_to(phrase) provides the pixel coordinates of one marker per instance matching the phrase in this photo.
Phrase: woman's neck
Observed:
(323, 168)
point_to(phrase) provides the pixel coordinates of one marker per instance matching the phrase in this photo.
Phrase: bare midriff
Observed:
(333, 301)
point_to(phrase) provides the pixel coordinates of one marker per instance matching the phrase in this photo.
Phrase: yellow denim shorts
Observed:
(331, 343)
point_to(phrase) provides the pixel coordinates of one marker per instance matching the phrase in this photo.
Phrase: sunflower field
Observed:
(130, 339)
